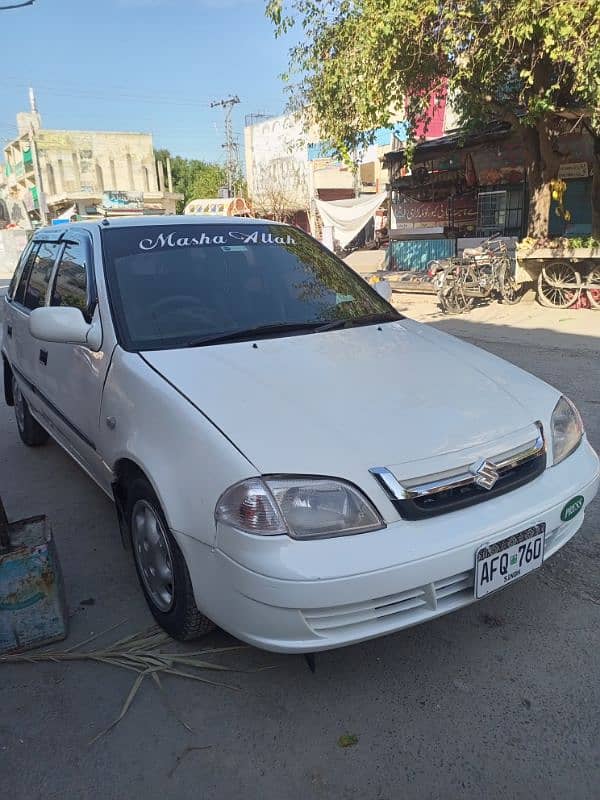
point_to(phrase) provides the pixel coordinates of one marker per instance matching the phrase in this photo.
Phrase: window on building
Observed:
(99, 178)
(61, 174)
(39, 276)
(130, 171)
(51, 181)
(71, 283)
(500, 211)
(76, 173)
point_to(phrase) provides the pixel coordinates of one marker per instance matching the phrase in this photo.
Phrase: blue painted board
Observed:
(416, 255)
(32, 599)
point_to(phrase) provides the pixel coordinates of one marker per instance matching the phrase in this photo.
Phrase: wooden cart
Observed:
(562, 275)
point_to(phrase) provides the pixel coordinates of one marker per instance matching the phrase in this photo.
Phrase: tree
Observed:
(194, 178)
(533, 63)
(276, 198)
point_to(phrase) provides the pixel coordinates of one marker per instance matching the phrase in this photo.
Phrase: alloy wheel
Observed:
(153, 555)
(19, 402)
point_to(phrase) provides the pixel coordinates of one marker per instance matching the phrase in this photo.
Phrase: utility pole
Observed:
(231, 163)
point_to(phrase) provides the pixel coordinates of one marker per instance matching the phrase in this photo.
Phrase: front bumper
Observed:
(289, 596)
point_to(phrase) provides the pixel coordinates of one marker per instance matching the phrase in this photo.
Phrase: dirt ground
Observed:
(544, 327)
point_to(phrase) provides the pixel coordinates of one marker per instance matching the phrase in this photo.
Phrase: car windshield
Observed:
(187, 285)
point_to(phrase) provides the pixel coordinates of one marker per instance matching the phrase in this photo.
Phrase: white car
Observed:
(290, 458)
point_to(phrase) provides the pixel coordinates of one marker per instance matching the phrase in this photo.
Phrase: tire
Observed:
(31, 432)
(510, 291)
(452, 300)
(161, 567)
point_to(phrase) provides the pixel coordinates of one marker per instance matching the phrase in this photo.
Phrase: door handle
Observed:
(9, 330)
(44, 356)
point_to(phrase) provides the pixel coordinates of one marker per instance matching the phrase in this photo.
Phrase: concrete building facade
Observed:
(48, 171)
(285, 157)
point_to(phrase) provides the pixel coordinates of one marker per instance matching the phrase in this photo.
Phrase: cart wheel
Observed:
(594, 294)
(552, 291)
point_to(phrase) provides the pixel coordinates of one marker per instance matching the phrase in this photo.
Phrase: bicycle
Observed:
(481, 273)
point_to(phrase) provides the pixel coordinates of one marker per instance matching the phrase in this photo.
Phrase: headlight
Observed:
(304, 508)
(567, 429)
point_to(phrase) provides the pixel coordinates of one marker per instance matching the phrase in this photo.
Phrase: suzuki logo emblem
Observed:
(485, 473)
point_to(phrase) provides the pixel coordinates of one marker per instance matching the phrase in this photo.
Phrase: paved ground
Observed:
(499, 700)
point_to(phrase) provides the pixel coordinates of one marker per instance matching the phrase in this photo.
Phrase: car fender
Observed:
(186, 458)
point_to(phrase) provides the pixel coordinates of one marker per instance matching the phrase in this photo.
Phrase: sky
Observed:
(141, 65)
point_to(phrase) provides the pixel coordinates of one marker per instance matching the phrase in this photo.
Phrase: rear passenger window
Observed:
(39, 278)
(71, 284)
(19, 271)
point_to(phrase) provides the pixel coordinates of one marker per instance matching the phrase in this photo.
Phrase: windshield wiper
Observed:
(290, 327)
(252, 333)
(367, 319)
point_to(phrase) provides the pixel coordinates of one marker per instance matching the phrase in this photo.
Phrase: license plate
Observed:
(501, 563)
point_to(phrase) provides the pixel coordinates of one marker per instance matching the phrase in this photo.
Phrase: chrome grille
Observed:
(430, 495)
(397, 610)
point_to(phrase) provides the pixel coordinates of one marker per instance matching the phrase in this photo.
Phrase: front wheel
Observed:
(452, 299)
(31, 432)
(510, 291)
(161, 567)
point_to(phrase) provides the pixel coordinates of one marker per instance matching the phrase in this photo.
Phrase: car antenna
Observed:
(105, 222)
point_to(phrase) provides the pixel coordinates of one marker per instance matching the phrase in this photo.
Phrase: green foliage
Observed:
(357, 60)
(561, 243)
(193, 178)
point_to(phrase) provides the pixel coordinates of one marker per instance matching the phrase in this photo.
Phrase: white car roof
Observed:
(58, 231)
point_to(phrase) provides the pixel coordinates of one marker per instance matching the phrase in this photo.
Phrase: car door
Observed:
(31, 293)
(71, 377)
(17, 284)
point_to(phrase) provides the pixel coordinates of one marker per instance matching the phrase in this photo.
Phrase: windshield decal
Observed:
(174, 239)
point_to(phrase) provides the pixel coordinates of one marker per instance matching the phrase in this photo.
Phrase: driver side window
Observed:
(71, 286)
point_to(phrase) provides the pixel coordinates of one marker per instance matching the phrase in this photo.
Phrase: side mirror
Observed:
(59, 324)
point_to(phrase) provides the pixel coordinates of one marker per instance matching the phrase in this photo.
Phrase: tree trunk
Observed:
(596, 189)
(541, 167)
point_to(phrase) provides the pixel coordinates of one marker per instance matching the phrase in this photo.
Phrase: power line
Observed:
(231, 146)
(110, 94)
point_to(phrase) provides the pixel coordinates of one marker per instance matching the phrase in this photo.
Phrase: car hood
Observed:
(340, 402)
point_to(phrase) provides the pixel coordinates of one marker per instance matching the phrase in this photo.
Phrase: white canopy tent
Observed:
(349, 217)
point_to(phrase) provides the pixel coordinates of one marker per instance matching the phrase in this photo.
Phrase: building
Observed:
(463, 187)
(277, 168)
(47, 172)
(288, 167)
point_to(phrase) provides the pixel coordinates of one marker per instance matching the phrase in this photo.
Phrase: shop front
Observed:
(459, 190)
